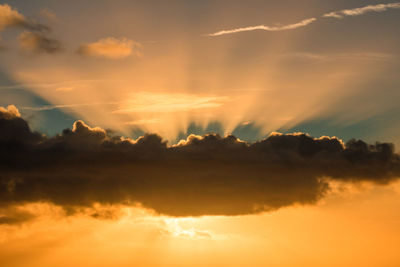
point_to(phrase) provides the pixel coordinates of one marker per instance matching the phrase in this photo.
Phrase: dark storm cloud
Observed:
(203, 175)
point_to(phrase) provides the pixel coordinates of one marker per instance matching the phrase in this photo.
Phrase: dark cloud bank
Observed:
(208, 175)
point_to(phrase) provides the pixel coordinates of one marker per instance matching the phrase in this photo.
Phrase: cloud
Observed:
(13, 215)
(48, 14)
(67, 106)
(38, 43)
(35, 37)
(362, 10)
(202, 175)
(111, 48)
(10, 17)
(10, 112)
(266, 28)
(14, 130)
(305, 22)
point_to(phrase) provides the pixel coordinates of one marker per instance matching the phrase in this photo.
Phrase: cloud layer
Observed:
(203, 175)
(111, 48)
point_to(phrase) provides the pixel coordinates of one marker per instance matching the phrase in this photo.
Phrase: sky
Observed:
(205, 133)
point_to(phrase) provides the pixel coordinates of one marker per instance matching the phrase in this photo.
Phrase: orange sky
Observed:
(353, 226)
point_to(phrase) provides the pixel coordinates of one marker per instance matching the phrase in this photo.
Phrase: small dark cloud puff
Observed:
(35, 38)
(202, 175)
(39, 43)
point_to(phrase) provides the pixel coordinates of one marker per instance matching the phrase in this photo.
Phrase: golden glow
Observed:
(160, 101)
(341, 230)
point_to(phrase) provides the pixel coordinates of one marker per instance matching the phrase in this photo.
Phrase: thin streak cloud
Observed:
(302, 23)
(57, 85)
(52, 107)
(362, 10)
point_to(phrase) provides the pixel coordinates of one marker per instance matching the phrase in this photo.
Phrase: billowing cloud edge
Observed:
(202, 175)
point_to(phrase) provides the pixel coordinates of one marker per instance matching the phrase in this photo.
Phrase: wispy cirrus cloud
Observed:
(335, 14)
(362, 10)
(66, 106)
(302, 23)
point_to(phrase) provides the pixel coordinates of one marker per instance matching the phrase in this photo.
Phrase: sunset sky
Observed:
(199, 133)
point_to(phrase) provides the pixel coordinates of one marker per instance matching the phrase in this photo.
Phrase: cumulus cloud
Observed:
(111, 48)
(202, 175)
(10, 17)
(10, 112)
(39, 43)
(15, 131)
(362, 10)
(266, 28)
